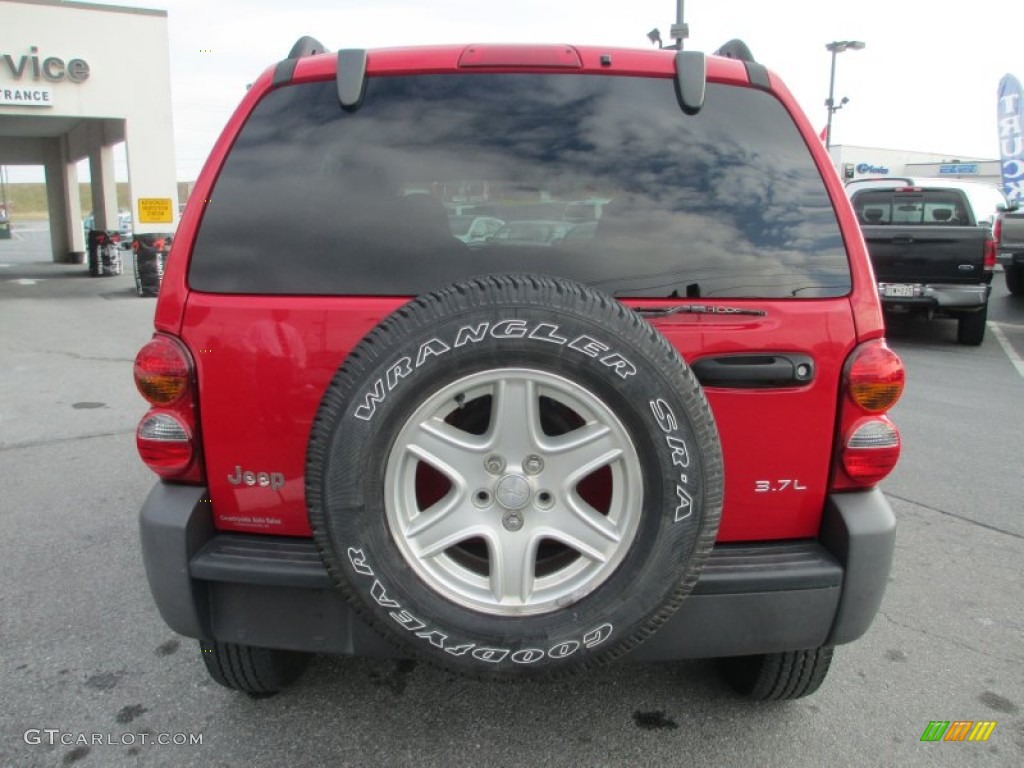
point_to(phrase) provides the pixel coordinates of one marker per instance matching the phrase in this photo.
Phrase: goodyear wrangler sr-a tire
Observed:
(514, 476)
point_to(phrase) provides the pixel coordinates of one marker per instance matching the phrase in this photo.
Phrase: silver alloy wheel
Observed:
(523, 540)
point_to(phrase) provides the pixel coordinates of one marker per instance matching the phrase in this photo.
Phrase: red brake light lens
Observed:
(871, 450)
(990, 255)
(165, 443)
(162, 371)
(500, 55)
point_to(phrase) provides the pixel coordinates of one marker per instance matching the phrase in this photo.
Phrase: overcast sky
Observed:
(926, 81)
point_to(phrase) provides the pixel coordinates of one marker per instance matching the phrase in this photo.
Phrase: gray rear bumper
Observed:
(940, 296)
(274, 592)
(1011, 258)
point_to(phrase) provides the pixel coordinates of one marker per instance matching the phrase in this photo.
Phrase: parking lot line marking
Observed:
(1011, 353)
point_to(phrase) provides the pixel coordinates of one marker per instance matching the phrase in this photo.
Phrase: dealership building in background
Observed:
(76, 80)
(864, 162)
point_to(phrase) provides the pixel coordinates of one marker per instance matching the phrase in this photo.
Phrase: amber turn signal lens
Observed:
(876, 378)
(161, 371)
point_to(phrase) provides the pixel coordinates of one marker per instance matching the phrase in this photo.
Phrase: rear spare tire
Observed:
(514, 476)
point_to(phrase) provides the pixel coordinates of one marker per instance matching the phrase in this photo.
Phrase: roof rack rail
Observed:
(306, 46)
(756, 73)
(735, 49)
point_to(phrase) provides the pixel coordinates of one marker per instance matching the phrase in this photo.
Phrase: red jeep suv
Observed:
(655, 432)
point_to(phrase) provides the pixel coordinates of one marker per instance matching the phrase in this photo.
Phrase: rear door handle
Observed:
(758, 371)
(904, 240)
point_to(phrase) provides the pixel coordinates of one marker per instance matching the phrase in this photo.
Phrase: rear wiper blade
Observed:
(699, 309)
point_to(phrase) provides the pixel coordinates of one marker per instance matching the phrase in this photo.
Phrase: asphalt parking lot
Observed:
(85, 653)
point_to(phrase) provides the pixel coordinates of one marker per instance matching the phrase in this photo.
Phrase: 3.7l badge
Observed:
(771, 486)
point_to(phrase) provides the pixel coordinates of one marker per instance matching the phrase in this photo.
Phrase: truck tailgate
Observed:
(922, 254)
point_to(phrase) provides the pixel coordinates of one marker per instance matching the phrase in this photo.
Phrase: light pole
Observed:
(680, 30)
(836, 47)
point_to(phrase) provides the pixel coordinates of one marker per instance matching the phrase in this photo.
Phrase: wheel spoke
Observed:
(449, 450)
(513, 559)
(451, 520)
(515, 417)
(574, 455)
(578, 525)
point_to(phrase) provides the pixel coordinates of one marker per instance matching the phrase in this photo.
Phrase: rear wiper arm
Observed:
(699, 309)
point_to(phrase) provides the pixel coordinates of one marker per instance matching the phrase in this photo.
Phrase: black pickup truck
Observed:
(931, 246)
(1010, 242)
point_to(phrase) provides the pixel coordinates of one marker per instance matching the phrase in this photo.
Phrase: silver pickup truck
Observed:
(1009, 234)
(931, 245)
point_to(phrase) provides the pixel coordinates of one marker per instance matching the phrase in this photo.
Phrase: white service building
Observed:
(863, 162)
(76, 79)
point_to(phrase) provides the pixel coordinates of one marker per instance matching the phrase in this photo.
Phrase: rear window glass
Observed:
(924, 207)
(602, 180)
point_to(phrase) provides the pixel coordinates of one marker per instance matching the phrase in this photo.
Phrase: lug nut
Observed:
(494, 464)
(533, 465)
(512, 521)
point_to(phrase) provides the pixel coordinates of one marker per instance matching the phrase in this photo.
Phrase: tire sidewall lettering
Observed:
(679, 455)
(441, 638)
(434, 350)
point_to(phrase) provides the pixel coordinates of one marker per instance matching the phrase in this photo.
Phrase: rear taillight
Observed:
(166, 437)
(990, 255)
(163, 371)
(997, 230)
(869, 444)
(165, 443)
(871, 450)
(875, 378)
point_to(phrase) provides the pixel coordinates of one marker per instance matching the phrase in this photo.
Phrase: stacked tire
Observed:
(104, 256)
(150, 253)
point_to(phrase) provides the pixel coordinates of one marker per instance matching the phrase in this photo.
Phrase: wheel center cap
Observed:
(513, 492)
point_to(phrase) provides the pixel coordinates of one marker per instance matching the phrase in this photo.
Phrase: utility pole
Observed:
(835, 48)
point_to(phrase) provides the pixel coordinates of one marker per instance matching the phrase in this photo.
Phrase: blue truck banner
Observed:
(1011, 138)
